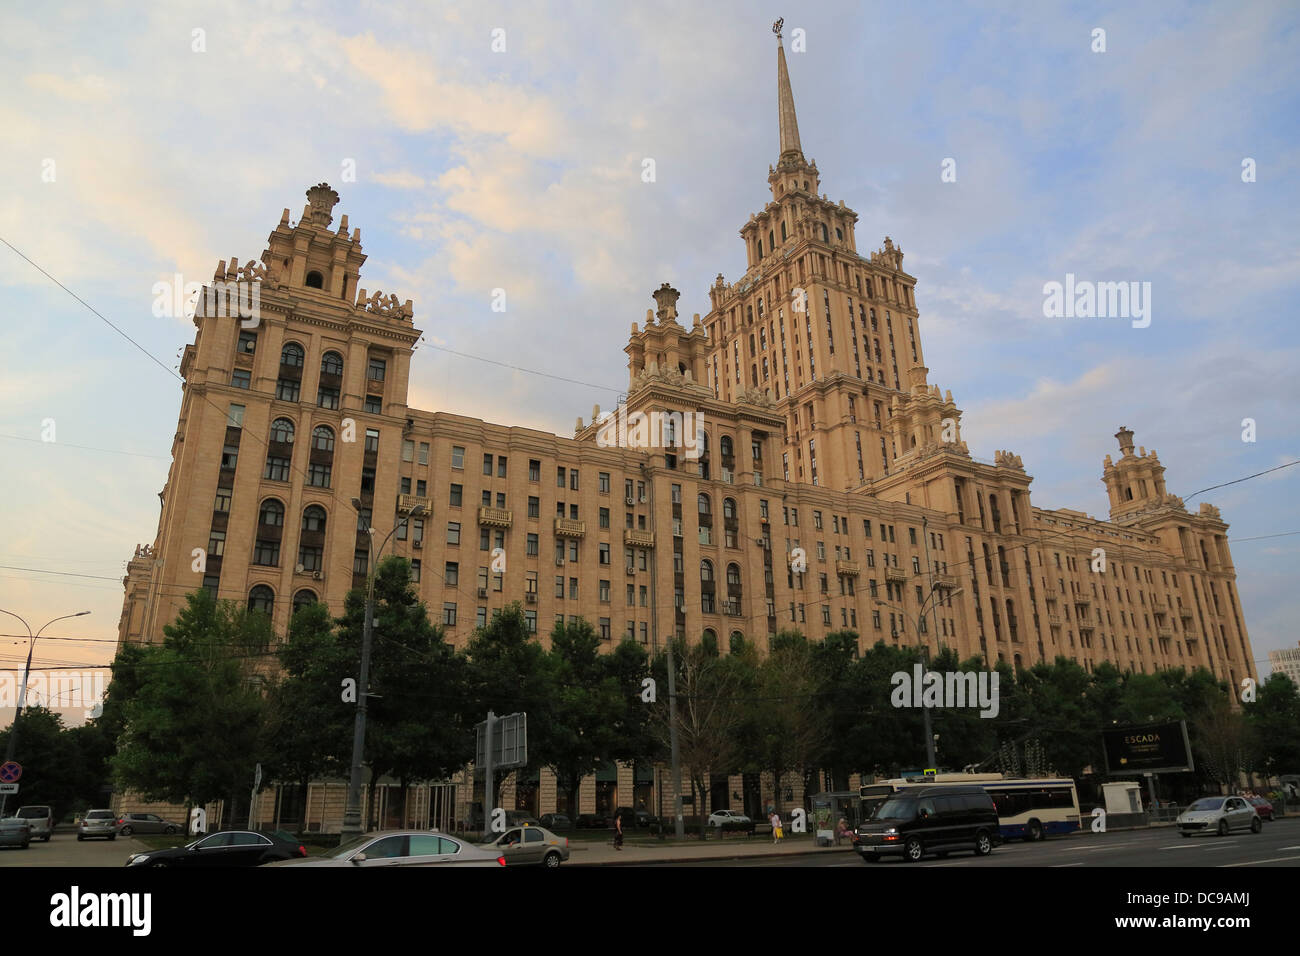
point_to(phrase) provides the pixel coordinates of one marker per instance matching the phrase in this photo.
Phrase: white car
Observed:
(718, 817)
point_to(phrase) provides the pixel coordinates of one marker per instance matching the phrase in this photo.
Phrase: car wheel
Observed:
(983, 844)
(47, 837)
(162, 863)
(1035, 831)
(112, 836)
(1223, 828)
(126, 831)
(913, 850)
(1185, 834)
(552, 861)
(80, 838)
(1256, 825)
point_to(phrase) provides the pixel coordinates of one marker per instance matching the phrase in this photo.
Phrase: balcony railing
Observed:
(897, 575)
(948, 581)
(1186, 613)
(408, 503)
(638, 539)
(850, 568)
(568, 528)
(1054, 620)
(495, 517)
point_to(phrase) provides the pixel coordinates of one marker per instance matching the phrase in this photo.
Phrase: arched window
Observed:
(706, 570)
(313, 518)
(292, 354)
(282, 430)
(315, 280)
(724, 445)
(322, 438)
(261, 598)
(331, 363)
(709, 641)
(271, 513)
(704, 505)
(733, 574)
(729, 508)
(302, 599)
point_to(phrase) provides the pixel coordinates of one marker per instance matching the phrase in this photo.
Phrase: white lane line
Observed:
(1289, 848)
(1194, 846)
(1057, 866)
(1277, 859)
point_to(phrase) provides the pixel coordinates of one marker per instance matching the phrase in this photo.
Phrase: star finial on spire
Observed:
(776, 27)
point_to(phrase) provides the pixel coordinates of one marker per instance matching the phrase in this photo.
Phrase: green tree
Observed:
(1274, 722)
(53, 768)
(193, 727)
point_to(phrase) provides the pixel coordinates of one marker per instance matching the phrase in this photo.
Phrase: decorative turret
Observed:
(1136, 482)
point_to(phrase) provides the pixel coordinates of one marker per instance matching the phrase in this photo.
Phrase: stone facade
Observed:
(832, 491)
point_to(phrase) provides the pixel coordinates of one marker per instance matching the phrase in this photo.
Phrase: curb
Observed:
(711, 858)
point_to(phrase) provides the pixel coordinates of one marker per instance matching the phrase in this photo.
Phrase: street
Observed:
(65, 850)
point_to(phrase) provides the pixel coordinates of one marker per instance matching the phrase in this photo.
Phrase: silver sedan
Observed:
(530, 846)
(403, 848)
(1219, 815)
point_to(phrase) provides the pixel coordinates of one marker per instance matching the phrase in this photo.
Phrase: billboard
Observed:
(1148, 748)
(509, 743)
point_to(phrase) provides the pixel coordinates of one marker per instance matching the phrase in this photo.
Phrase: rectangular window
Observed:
(318, 475)
(456, 496)
(453, 532)
(452, 573)
(277, 469)
(408, 450)
(457, 457)
(415, 570)
(424, 453)
(223, 500)
(534, 470)
(534, 507)
(241, 378)
(604, 482)
(449, 614)
(573, 479)
(235, 417)
(559, 477)
(501, 466)
(216, 544)
(487, 465)
(604, 517)
(327, 398)
(374, 404)
(375, 370)
(372, 439)
(532, 546)
(287, 390)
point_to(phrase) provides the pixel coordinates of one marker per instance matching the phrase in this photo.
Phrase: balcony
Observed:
(637, 539)
(1054, 620)
(1085, 625)
(408, 503)
(897, 575)
(568, 528)
(1186, 613)
(850, 568)
(1082, 601)
(1158, 605)
(495, 517)
(1164, 633)
(948, 581)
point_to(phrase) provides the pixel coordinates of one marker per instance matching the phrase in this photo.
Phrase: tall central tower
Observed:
(830, 335)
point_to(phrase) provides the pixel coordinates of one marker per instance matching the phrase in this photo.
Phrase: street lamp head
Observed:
(356, 503)
(418, 510)
(81, 614)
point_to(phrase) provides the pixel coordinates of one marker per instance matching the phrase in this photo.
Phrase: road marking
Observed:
(1193, 846)
(1057, 866)
(1289, 848)
(1278, 859)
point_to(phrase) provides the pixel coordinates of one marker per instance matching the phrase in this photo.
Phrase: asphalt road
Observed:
(65, 850)
(1277, 845)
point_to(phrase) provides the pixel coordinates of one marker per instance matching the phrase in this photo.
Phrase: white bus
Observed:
(1028, 808)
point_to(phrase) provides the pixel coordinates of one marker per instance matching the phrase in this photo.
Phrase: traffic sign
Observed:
(8, 788)
(10, 772)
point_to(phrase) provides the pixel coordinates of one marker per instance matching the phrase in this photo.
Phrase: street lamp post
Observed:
(352, 827)
(22, 695)
(925, 710)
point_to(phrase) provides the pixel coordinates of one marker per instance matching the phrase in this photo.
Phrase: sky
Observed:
(483, 147)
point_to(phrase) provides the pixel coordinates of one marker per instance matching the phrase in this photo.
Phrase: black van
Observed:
(920, 820)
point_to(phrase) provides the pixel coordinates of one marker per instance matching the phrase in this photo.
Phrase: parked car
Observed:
(556, 821)
(637, 818)
(924, 820)
(41, 819)
(594, 821)
(15, 832)
(517, 818)
(130, 823)
(404, 848)
(98, 823)
(530, 846)
(1262, 807)
(1220, 815)
(225, 848)
(728, 818)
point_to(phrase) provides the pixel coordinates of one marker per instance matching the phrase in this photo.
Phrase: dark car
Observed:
(594, 821)
(227, 848)
(636, 818)
(1262, 807)
(556, 821)
(938, 820)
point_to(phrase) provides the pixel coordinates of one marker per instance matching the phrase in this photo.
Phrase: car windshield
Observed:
(1207, 803)
(347, 849)
(99, 815)
(896, 808)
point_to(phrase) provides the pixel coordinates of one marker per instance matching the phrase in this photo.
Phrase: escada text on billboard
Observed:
(1149, 748)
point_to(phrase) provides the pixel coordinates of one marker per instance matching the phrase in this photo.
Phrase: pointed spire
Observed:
(790, 146)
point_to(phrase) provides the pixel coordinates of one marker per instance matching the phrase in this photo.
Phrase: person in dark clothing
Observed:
(618, 831)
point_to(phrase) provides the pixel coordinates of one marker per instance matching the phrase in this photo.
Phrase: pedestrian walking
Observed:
(775, 820)
(618, 831)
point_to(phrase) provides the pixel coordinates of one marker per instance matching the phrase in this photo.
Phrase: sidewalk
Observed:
(670, 851)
